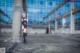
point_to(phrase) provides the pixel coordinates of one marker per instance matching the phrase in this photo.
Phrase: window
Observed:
(41, 2)
(50, 3)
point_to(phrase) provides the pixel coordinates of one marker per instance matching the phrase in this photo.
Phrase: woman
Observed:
(24, 27)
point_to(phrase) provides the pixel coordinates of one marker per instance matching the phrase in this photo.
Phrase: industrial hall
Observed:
(39, 26)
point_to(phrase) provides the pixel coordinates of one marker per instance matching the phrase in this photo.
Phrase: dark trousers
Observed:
(24, 37)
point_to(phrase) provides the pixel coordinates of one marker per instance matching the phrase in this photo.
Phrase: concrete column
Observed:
(49, 27)
(0, 22)
(63, 23)
(16, 24)
(56, 14)
(55, 25)
(72, 18)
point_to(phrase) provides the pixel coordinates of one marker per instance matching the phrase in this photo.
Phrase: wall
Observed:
(40, 31)
(30, 30)
(6, 30)
(36, 31)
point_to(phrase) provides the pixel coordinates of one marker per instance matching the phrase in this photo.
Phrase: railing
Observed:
(77, 27)
(67, 14)
(6, 16)
(2, 17)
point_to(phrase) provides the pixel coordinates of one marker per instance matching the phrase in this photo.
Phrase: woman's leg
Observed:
(24, 37)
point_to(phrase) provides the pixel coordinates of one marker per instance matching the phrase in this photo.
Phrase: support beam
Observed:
(61, 4)
(0, 23)
(67, 14)
(49, 27)
(7, 16)
(56, 14)
(24, 5)
(55, 25)
(16, 25)
(63, 23)
(72, 19)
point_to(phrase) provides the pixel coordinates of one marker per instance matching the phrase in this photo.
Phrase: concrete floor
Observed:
(48, 48)
(50, 44)
(57, 43)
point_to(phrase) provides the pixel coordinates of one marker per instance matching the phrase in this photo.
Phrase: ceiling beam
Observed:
(61, 4)
(1, 12)
(65, 15)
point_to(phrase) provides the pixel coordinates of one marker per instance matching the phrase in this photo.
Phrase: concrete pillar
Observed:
(49, 27)
(0, 22)
(56, 14)
(72, 19)
(63, 23)
(16, 24)
(55, 25)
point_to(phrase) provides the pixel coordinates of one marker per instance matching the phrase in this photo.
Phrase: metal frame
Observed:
(65, 15)
(61, 4)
